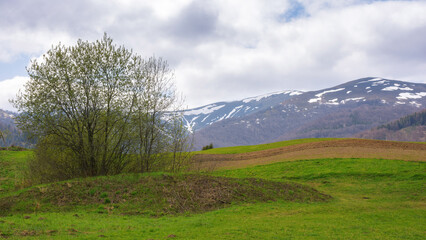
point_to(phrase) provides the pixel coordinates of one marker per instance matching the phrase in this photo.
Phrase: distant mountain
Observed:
(7, 123)
(340, 111)
(409, 128)
(198, 118)
(13, 135)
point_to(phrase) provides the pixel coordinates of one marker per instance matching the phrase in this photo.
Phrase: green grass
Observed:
(347, 178)
(260, 147)
(373, 199)
(147, 194)
(12, 166)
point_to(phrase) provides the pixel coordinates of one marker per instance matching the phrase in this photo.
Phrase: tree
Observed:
(154, 94)
(86, 101)
(182, 141)
(207, 147)
(2, 137)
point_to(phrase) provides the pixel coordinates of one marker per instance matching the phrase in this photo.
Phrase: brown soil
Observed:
(345, 148)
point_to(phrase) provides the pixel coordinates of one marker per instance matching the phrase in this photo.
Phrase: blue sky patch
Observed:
(14, 68)
(296, 10)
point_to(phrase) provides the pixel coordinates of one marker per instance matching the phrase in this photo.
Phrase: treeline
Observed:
(415, 119)
(207, 147)
(99, 109)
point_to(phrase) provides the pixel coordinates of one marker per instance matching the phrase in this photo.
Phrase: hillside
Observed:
(201, 117)
(340, 111)
(334, 197)
(415, 119)
(317, 149)
(409, 128)
(163, 194)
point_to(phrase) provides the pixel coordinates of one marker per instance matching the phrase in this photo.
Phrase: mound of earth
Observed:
(342, 148)
(154, 195)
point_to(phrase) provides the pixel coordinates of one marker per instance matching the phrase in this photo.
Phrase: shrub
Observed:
(207, 147)
(51, 163)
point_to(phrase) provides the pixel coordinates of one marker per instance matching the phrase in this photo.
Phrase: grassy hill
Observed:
(371, 198)
(12, 167)
(260, 147)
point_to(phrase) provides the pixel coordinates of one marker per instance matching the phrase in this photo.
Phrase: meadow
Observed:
(357, 198)
(261, 147)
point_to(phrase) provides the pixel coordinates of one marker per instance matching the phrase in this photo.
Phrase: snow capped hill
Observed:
(388, 91)
(340, 111)
(198, 118)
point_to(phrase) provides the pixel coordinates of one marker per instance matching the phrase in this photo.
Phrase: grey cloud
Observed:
(405, 44)
(77, 16)
(194, 23)
(226, 55)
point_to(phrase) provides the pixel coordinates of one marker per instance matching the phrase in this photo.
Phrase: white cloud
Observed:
(329, 47)
(32, 42)
(225, 50)
(8, 90)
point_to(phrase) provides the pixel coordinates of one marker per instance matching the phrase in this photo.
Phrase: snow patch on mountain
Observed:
(319, 95)
(295, 93)
(375, 79)
(314, 100)
(189, 124)
(377, 83)
(329, 91)
(205, 110)
(204, 119)
(260, 97)
(398, 102)
(395, 88)
(333, 102)
(418, 105)
(204, 116)
(352, 99)
(7, 115)
(235, 110)
(407, 95)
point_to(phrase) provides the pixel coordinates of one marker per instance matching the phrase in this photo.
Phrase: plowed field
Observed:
(344, 148)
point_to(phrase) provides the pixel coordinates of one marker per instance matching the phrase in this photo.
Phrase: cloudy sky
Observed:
(224, 50)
